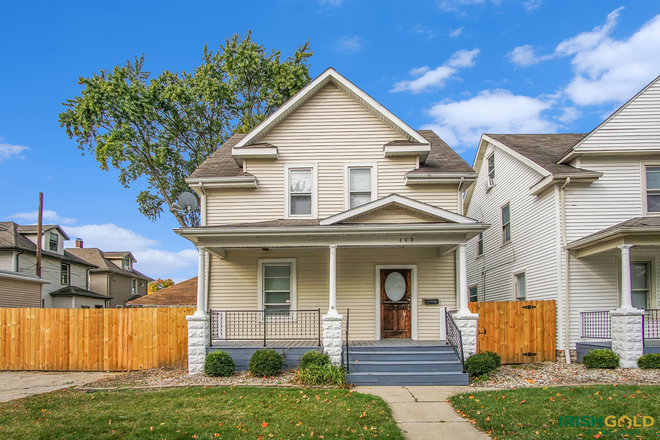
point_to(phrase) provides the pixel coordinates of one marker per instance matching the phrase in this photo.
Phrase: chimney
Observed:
(79, 243)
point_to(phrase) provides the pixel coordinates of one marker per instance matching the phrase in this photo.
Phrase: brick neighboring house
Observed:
(178, 295)
(114, 275)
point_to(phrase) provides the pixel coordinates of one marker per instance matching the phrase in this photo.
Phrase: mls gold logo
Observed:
(624, 421)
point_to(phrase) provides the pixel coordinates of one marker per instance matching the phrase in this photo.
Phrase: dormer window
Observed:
(53, 242)
(126, 263)
(301, 191)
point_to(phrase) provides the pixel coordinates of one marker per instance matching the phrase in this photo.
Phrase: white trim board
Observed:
(413, 297)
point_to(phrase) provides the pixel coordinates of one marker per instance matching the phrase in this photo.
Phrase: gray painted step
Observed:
(393, 378)
(406, 366)
(402, 356)
(407, 348)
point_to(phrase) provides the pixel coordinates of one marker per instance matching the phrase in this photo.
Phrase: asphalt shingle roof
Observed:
(221, 163)
(77, 291)
(181, 294)
(96, 257)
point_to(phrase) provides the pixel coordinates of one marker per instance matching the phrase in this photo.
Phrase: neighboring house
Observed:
(574, 217)
(20, 289)
(334, 203)
(183, 294)
(113, 275)
(64, 277)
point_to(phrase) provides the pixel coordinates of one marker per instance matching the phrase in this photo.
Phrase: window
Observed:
(491, 167)
(134, 286)
(506, 224)
(653, 189)
(480, 244)
(277, 286)
(641, 292)
(520, 287)
(65, 274)
(359, 186)
(53, 242)
(84, 307)
(98, 307)
(126, 263)
(474, 297)
(300, 192)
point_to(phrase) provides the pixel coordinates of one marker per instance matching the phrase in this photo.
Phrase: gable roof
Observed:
(77, 291)
(33, 229)
(97, 257)
(221, 163)
(180, 294)
(398, 201)
(442, 158)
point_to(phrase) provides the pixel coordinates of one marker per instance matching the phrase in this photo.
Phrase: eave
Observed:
(555, 179)
(421, 150)
(608, 240)
(268, 151)
(200, 184)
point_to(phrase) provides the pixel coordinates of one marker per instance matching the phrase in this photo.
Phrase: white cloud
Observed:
(330, 2)
(48, 217)
(456, 5)
(151, 261)
(430, 33)
(460, 123)
(9, 151)
(588, 40)
(431, 79)
(569, 114)
(456, 32)
(348, 44)
(523, 56)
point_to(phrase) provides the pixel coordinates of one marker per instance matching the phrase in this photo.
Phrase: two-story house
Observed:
(64, 277)
(575, 219)
(333, 203)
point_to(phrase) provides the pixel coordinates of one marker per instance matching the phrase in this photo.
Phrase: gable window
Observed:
(126, 263)
(491, 169)
(301, 191)
(506, 223)
(653, 189)
(53, 242)
(474, 294)
(480, 244)
(65, 274)
(134, 286)
(277, 285)
(520, 286)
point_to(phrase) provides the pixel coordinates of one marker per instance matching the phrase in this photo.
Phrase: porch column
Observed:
(198, 322)
(465, 320)
(332, 321)
(627, 321)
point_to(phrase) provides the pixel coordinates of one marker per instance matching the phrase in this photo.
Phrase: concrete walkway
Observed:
(17, 384)
(424, 413)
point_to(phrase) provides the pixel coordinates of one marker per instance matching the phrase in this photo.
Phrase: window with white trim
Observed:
(480, 244)
(65, 274)
(359, 186)
(653, 189)
(300, 192)
(134, 286)
(277, 286)
(506, 223)
(520, 286)
(126, 263)
(491, 167)
(474, 294)
(53, 242)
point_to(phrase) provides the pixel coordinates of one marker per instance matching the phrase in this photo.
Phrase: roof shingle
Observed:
(181, 294)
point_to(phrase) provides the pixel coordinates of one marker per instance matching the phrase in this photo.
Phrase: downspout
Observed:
(202, 209)
(566, 304)
(460, 196)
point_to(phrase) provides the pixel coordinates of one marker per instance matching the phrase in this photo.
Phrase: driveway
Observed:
(14, 385)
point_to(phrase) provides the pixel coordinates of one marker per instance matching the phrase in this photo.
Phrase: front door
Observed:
(395, 315)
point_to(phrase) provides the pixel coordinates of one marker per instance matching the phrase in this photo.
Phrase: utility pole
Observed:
(39, 224)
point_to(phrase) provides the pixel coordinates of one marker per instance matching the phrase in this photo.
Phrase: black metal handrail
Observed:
(347, 364)
(273, 325)
(651, 324)
(454, 337)
(596, 325)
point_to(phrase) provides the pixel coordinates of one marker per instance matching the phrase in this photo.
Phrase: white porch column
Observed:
(198, 322)
(627, 321)
(332, 321)
(465, 320)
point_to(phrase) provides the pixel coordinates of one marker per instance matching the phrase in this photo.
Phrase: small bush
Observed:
(649, 361)
(496, 357)
(323, 375)
(314, 357)
(601, 359)
(219, 364)
(265, 362)
(479, 364)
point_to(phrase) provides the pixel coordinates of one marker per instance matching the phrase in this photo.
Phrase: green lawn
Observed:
(563, 412)
(184, 413)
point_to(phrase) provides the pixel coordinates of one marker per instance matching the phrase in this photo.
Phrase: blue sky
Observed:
(461, 67)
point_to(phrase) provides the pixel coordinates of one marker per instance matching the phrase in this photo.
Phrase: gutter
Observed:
(567, 257)
(553, 179)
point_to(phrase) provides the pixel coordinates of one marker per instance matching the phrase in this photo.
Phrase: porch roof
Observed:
(637, 231)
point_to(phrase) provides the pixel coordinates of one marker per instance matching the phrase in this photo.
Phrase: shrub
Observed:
(314, 358)
(601, 359)
(219, 363)
(265, 362)
(480, 364)
(322, 375)
(496, 357)
(649, 361)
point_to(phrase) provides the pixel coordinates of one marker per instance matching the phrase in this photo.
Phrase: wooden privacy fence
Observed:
(519, 331)
(93, 339)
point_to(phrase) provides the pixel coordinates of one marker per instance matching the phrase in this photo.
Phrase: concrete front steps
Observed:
(405, 365)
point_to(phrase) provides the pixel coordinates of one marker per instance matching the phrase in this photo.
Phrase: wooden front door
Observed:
(395, 314)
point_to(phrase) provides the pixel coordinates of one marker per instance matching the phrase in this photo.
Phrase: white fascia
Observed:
(421, 150)
(251, 152)
(202, 183)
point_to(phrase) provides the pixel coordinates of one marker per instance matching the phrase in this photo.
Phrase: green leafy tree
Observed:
(159, 284)
(161, 129)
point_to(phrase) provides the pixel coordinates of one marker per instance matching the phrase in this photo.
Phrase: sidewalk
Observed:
(424, 413)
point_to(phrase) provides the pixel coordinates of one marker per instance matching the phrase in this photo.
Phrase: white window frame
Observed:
(645, 189)
(287, 190)
(50, 241)
(473, 286)
(68, 274)
(347, 181)
(488, 159)
(480, 238)
(515, 285)
(134, 287)
(294, 280)
(502, 225)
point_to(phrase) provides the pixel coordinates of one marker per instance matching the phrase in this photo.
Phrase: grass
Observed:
(535, 412)
(184, 413)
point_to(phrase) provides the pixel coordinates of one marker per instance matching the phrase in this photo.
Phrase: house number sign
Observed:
(406, 239)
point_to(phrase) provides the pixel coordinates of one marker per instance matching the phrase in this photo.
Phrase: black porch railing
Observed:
(652, 324)
(266, 325)
(347, 363)
(596, 325)
(454, 337)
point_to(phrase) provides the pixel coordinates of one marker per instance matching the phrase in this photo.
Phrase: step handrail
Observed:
(454, 337)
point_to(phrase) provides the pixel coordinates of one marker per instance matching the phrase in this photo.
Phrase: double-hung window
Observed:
(53, 242)
(491, 168)
(277, 286)
(126, 263)
(520, 286)
(641, 286)
(134, 286)
(301, 191)
(65, 274)
(653, 189)
(480, 244)
(474, 297)
(506, 223)
(359, 186)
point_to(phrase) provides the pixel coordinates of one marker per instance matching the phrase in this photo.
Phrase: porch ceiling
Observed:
(610, 243)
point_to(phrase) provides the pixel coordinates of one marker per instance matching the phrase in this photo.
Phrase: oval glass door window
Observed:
(395, 286)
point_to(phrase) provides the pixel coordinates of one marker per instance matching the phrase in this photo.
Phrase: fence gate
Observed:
(519, 331)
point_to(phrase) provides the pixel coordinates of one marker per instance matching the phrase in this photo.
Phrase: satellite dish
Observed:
(187, 202)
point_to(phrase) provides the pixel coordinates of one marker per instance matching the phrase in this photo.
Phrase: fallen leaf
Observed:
(264, 425)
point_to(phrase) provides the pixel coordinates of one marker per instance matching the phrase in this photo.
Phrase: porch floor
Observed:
(289, 344)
